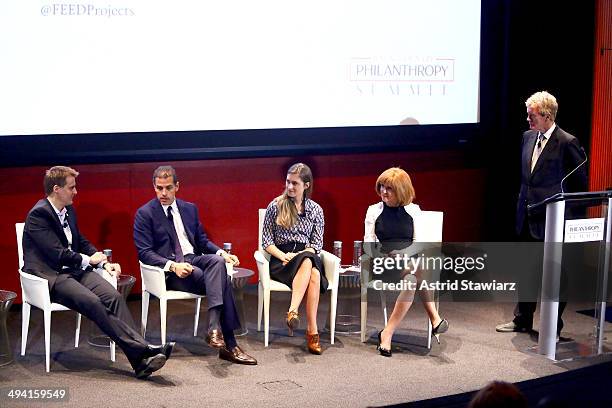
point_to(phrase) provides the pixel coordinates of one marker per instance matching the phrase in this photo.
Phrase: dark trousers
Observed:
(209, 277)
(523, 312)
(90, 295)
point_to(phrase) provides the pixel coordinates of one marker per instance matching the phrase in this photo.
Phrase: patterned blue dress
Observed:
(306, 233)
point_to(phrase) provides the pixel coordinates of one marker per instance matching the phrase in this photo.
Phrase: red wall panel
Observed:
(601, 136)
(229, 192)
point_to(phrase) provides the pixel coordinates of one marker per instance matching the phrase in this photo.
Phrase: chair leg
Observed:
(47, 317)
(144, 312)
(77, 332)
(266, 316)
(197, 316)
(332, 313)
(429, 329)
(383, 303)
(112, 350)
(259, 305)
(436, 295)
(364, 311)
(25, 324)
(163, 310)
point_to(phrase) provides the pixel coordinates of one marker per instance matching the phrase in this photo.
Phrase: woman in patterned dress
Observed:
(293, 235)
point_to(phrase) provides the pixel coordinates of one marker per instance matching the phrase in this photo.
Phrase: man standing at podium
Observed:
(548, 155)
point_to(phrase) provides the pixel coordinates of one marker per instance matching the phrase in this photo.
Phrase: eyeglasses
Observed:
(386, 189)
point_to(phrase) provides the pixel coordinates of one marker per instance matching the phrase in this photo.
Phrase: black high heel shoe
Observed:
(442, 327)
(383, 351)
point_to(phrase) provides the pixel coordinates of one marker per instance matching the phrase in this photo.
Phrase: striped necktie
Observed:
(537, 151)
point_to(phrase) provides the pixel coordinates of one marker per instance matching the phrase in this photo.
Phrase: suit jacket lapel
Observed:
(551, 146)
(528, 153)
(158, 213)
(70, 217)
(181, 208)
(59, 229)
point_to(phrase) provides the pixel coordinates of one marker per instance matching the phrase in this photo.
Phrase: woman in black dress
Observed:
(391, 222)
(293, 235)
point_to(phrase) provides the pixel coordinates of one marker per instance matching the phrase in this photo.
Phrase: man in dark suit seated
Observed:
(168, 234)
(54, 249)
(549, 154)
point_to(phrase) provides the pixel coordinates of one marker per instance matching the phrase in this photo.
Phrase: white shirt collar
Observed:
(548, 133)
(59, 213)
(174, 208)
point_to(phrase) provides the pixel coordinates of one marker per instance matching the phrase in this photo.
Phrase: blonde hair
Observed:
(545, 103)
(56, 176)
(400, 181)
(287, 211)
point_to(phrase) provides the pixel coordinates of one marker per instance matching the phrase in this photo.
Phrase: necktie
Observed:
(67, 230)
(537, 151)
(178, 252)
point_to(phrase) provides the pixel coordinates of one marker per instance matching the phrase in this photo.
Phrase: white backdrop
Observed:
(158, 65)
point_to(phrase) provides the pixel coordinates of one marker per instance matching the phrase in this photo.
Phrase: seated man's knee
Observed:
(219, 264)
(215, 264)
(90, 302)
(116, 297)
(218, 268)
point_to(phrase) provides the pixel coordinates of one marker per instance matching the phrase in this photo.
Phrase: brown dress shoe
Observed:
(293, 321)
(236, 355)
(313, 343)
(214, 338)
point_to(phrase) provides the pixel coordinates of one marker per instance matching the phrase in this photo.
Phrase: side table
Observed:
(240, 277)
(125, 283)
(347, 322)
(6, 300)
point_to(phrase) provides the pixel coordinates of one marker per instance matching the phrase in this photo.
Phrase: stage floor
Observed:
(349, 373)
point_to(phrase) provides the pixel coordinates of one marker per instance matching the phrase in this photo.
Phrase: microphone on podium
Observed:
(576, 168)
(531, 207)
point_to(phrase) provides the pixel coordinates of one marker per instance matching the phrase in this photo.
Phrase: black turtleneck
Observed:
(394, 226)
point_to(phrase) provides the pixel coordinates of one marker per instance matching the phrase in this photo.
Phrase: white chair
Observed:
(331, 264)
(35, 292)
(429, 227)
(154, 283)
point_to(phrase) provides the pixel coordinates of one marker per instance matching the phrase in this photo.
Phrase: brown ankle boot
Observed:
(313, 343)
(293, 321)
